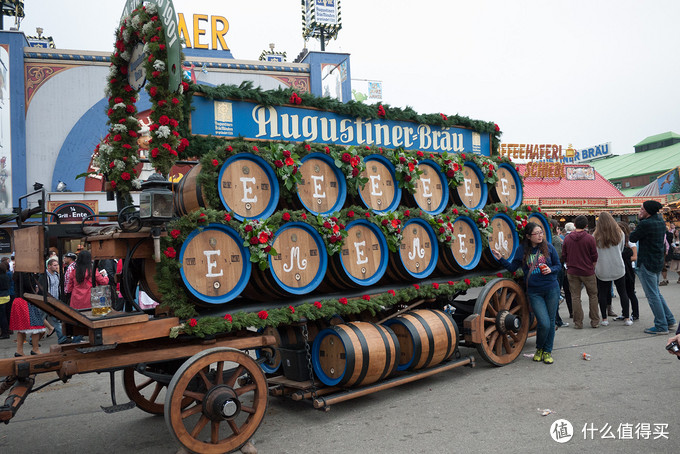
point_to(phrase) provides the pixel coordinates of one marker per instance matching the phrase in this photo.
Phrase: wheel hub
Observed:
(221, 403)
(505, 321)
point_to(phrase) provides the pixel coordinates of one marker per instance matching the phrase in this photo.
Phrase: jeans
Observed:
(650, 284)
(57, 329)
(544, 303)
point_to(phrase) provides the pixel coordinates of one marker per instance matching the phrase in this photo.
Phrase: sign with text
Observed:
(73, 212)
(231, 119)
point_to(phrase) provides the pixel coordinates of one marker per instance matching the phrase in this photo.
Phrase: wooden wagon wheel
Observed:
(505, 313)
(228, 393)
(145, 390)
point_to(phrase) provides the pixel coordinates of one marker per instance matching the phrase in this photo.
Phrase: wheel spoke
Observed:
(490, 330)
(234, 427)
(206, 380)
(244, 389)
(506, 344)
(157, 390)
(246, 409)
(237, 373)
(202, 422)
(144, 384)
(490, 319)
(498, 345)
(510, 300)
(514, 336)
(219, 373)
(492, 338)
(194, 395)
(215, 432)
(192, 411)
(491, 309)
(503, 297)
(515, 310)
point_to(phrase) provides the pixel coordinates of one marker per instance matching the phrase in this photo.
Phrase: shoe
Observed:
(605, 322)
(68, 340)
(611, 313)
(663, 283)
(634, 317)
(17, 355)
(5, 336)
(620, 317)
(628, 322)
(564, 324)
(654, 330)
(672, 324)
(594, 326)
(578, 326)
(50, 333)
(547, 358)
(678, 281)
(538, 356)
(34, 353)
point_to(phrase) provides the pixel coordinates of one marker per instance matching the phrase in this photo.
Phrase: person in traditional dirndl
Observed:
(26, 319)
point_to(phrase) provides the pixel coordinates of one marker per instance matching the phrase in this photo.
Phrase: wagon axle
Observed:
(505, 321)
(221, 403)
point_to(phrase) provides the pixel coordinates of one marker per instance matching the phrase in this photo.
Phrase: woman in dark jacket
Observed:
(541, 265)
(5, 283)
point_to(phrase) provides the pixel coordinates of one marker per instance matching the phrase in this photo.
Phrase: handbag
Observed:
(100, 297)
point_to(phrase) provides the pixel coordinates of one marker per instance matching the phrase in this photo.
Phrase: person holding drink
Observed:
(541, 265)
(80, 281)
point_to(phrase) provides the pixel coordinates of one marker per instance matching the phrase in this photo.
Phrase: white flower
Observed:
(151, 9)
(119, 128)
(126, 34)
(119, 165)
(181, 89)
(136, 22)
(125, 55)
(136, 183)
(105, 148)
(159, 65)
(120, 105)
(163, 132)
(146, 29)
(146, 48)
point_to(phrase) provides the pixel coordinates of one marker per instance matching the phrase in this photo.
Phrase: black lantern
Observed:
(155, 201)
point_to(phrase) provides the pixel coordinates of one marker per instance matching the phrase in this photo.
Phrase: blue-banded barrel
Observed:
(503, 238)
(432, 191)
(188, 194)
(538, 218)
(355, 354)
(248, 187)
(215, 265)
(508, 189)
(273, 361)
(297, 269)
(323, 189)
(427, 337)
(381, 194)
(465, 251)
(362, 261)
(417, 255)
(472, 192)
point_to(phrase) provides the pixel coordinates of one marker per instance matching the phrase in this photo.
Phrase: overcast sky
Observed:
(583, 72)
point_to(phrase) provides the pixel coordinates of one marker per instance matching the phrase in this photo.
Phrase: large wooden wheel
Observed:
(146, 386)
(228, 393)
(504, 313)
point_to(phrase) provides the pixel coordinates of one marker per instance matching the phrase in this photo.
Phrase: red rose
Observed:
(443, 117)
(193, 322)
(350, 214)
(497, 127)
(462, 155)
(467, 281)
(292, 309)
(278, 163)
(263, 315)
(355, 172)
(227, 217)
(417, 287)
(113, 185)
(170, 253)
(450, 173)
(125, 176)
(117, 138)
(248, 228)
(175, 233)
(435, 285)
(286, 216)
(254, 241)
(366, 297)
(308, 147)
(229, 149)
(450, 282)
(327, 150)
(153, 91)
(154, 153)
(455, 211)
(343, 301)
(255, 149)
(286, 154)
(528, 208)
(304, 216)
(164, 120)
(499, 274)
(267, 249)
(391, 292)
(317, 304)
(215, 162)
(381, 111)
(346, 157)
(228, 318)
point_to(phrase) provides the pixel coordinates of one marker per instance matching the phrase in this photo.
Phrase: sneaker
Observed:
(605, 322)
(620, 317)
(663, 283)
(628, 322)
(564, 324)
(634, 317)
(578, 326)
(539, 355)
(547, 358)
(672, 324)
(611, 313)
(654, 330)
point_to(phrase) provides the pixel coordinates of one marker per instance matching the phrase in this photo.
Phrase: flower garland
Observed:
(406, 167)
(258, 237)
(351, 163)
(117, 154)
(451, 165)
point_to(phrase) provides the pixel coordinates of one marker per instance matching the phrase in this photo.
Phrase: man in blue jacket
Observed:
(649, 234)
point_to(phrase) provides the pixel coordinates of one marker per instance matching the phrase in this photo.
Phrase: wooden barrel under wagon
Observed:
(215, 265)
(355, 354)
(248, 187)
(432, 191)
(538, 218)
(508, 189)
(472, 192)
(465, 251)
(417, 255)
(426, 338)
(382, 193)
(297, 269)
(503, 238)
(188, 194)
(323, 189)
(361, 262)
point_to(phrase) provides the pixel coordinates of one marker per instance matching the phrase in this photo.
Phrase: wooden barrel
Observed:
(382, 193)
(465, 251)
(215, 265)
(298, 269)
(426, 338)
(273, 363)
(538, 218)
(503, 238)
(248, 187)
(323, 189)
(432, 191)
(188, 194)
(361, 262)
(508, 189)
(417, 255)
(147, 281)
(355, 354)
(472, 192)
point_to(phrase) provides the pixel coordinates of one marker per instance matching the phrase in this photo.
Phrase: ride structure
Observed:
(318, 251)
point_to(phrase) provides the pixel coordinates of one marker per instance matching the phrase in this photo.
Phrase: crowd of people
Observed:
(610, 256)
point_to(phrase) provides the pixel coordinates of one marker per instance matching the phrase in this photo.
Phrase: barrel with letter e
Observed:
(381, 194)
(432, 191)
(472, 192)
(248, 187)
(465, 250)
(508, 189)
(322, 189)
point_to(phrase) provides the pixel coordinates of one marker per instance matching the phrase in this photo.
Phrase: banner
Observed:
(231, 119)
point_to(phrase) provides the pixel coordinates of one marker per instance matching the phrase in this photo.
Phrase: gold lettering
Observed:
(218, 34)
(183, 31)
(198, 31)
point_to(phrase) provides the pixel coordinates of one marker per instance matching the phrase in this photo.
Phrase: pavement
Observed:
(623, 400)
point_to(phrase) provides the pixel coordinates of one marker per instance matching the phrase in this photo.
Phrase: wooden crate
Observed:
(29, 244)
(117, 245)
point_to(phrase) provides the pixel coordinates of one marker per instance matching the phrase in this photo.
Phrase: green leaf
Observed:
(263, 265)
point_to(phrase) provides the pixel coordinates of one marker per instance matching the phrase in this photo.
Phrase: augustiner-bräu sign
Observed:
(229, 118)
